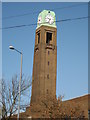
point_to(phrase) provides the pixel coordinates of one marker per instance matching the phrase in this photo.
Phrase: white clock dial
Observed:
(49, 18)
(39, 19)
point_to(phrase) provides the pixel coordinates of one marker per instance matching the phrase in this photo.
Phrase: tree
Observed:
(52, 108)
(10, 93)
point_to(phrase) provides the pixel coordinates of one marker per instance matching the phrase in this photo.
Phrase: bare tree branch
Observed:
(10, 93)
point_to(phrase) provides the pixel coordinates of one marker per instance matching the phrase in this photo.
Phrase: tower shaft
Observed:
(45, 63)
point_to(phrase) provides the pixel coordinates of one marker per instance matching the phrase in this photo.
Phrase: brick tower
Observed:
(45, 56)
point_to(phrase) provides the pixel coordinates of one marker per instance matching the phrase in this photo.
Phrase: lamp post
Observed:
(12, 48)
(88, 114)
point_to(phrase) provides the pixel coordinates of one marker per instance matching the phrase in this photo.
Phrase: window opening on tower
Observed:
(48, 37)
(48, 52)
(48, 63)
(47, 91)
(38, 37)
(48, 76)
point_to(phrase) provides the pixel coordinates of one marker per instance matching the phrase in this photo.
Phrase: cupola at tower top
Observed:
(46, 18)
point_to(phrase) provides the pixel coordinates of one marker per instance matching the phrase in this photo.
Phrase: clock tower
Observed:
(45, 57)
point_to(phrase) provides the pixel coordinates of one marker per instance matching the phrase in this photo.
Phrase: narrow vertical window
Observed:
(47, 91)
(48, 52)
(48, 63)
(48, 37)
(38, 37)
(48, 76)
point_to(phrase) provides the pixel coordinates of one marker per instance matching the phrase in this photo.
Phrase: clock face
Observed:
(46, 18)
(49, 19)
(39, 20)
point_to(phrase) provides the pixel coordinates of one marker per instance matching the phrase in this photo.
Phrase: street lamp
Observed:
(88, 114)
(12, 48)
